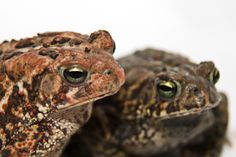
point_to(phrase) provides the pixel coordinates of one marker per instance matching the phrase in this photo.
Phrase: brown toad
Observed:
(169, 106)
(47, 86)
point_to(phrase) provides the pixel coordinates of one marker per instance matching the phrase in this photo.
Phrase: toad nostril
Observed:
(108, 71)
(196, 91)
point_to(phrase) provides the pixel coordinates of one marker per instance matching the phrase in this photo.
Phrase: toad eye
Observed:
(167, 89)
(74, 75)
(214, 76)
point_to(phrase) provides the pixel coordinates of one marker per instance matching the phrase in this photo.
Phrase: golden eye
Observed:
(167, 89)
(214, 76)
(74, 75)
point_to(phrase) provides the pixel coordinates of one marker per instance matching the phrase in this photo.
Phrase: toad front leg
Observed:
(213, 139)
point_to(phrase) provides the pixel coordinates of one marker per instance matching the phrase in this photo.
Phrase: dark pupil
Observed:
(75, 76)
(166, 88)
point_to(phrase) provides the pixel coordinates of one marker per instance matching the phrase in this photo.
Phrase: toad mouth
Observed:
(86, 102)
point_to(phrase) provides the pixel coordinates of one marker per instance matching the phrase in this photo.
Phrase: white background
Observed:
(200, 29)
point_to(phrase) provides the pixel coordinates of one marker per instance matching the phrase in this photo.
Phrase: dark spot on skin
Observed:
(5, 41)
(8, 134)
(46, 45)
(78, 120)
(60, 40)
(35, 136)
(2, 91)
(15, 90)
(42, 128)
(26, 85)
(33, 90)
(14, 76)
(87, 49)
(2, 69)
(22, 137)
(196, 91)
(51, 53)
(24, 150)
(0, 144)
(64, 130)
(5, 153)
(11, 76)
(93, 37)
(64, 89)
(163, 69)
(171, 108)
(24, 44)
(11, 54)
(61, 95)
(3, 120)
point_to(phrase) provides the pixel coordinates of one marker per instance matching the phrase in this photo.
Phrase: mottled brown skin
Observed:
(39, 108)
(140, 122)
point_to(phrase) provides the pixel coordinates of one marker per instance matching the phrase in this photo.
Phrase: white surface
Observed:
(203, 30)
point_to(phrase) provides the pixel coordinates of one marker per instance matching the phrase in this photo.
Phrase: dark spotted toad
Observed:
(168, 107)
(47, 86)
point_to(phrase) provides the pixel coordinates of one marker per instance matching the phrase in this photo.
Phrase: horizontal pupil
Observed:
(166, 88)
(75, 74)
